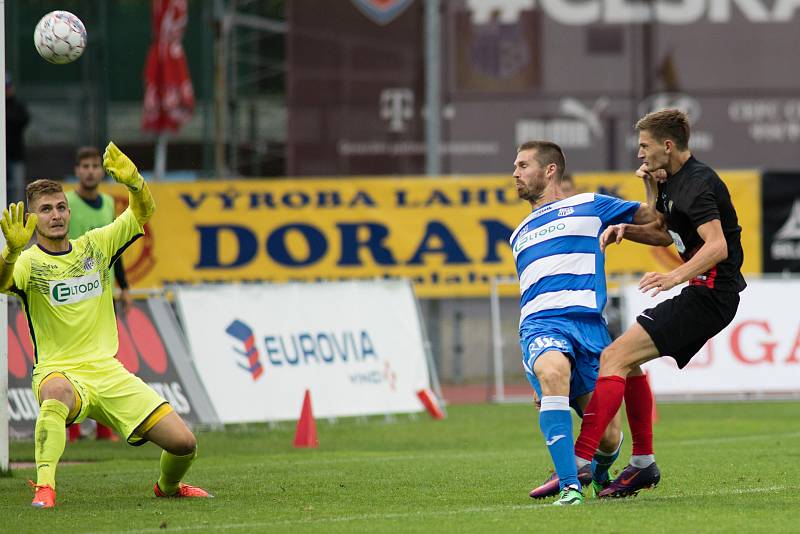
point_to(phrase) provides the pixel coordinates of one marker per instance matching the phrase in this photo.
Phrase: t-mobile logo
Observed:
(397, 107)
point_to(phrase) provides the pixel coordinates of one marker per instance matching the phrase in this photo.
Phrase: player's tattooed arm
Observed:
(123, 170)
(17, 233)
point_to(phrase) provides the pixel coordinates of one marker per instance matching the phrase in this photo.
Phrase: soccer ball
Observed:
(60, 37)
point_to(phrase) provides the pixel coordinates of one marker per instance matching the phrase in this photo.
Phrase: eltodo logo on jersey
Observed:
(538, 234)
(74, 290)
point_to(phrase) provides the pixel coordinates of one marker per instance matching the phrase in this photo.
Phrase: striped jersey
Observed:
(557, 255)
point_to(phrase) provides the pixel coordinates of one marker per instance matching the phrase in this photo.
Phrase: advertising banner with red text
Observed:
(758, 353)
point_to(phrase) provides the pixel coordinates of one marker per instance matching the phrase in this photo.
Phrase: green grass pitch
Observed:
(725, 468)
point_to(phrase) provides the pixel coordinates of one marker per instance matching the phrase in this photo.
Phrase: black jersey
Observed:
(694, 196)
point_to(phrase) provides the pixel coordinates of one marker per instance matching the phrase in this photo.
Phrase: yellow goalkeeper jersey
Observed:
(67, 296)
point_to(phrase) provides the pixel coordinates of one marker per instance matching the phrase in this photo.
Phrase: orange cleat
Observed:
(45, 496)
(184, 490)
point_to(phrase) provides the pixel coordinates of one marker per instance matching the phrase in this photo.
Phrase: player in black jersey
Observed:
(698, 216)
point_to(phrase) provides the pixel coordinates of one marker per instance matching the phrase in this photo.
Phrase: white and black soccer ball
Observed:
(60, 37)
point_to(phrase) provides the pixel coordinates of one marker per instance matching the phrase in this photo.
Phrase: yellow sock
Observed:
(172, 470)
(50, 438)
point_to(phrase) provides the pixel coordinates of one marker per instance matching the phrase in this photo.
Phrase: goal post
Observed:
(4, 414)
(505, 340)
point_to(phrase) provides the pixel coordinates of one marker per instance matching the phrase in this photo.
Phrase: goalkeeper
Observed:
(66, 289)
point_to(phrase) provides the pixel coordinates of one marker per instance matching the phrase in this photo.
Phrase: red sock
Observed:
(74, 432)
(639, 407)
(606, 400)
(103, 432)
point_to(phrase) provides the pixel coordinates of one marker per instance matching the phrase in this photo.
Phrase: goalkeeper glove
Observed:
(16, 231)
(121, 168)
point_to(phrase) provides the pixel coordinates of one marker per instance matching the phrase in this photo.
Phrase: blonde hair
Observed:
(40, 188)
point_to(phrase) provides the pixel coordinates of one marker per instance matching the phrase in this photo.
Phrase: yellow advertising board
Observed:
(449, 235)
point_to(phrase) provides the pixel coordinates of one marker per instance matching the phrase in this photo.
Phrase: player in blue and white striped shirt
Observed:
(563, 293)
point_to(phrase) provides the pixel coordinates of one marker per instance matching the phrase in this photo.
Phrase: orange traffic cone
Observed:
(429, 401)
(306, 433)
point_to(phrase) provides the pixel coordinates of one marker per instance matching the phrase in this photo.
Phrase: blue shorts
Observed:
(581, 339)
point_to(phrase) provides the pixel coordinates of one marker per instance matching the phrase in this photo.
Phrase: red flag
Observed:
(168, 93)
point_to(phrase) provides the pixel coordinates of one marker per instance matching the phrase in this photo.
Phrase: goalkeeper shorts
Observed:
(109, 394)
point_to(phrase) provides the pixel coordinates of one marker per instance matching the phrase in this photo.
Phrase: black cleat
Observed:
(631, 480)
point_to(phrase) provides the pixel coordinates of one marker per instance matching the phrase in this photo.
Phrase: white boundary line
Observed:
(438, 513)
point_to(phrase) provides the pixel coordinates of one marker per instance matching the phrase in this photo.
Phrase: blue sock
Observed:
(602, 462)
(555, 420)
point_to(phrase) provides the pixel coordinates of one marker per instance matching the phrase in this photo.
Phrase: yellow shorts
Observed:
(109, 394)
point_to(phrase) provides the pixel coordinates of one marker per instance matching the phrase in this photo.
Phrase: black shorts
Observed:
(680, 326)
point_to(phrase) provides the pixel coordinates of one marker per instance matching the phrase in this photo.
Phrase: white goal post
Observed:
(498, 342)
(4, 415)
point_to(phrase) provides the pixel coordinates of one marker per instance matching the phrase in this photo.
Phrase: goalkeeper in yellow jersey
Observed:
(66, 289)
